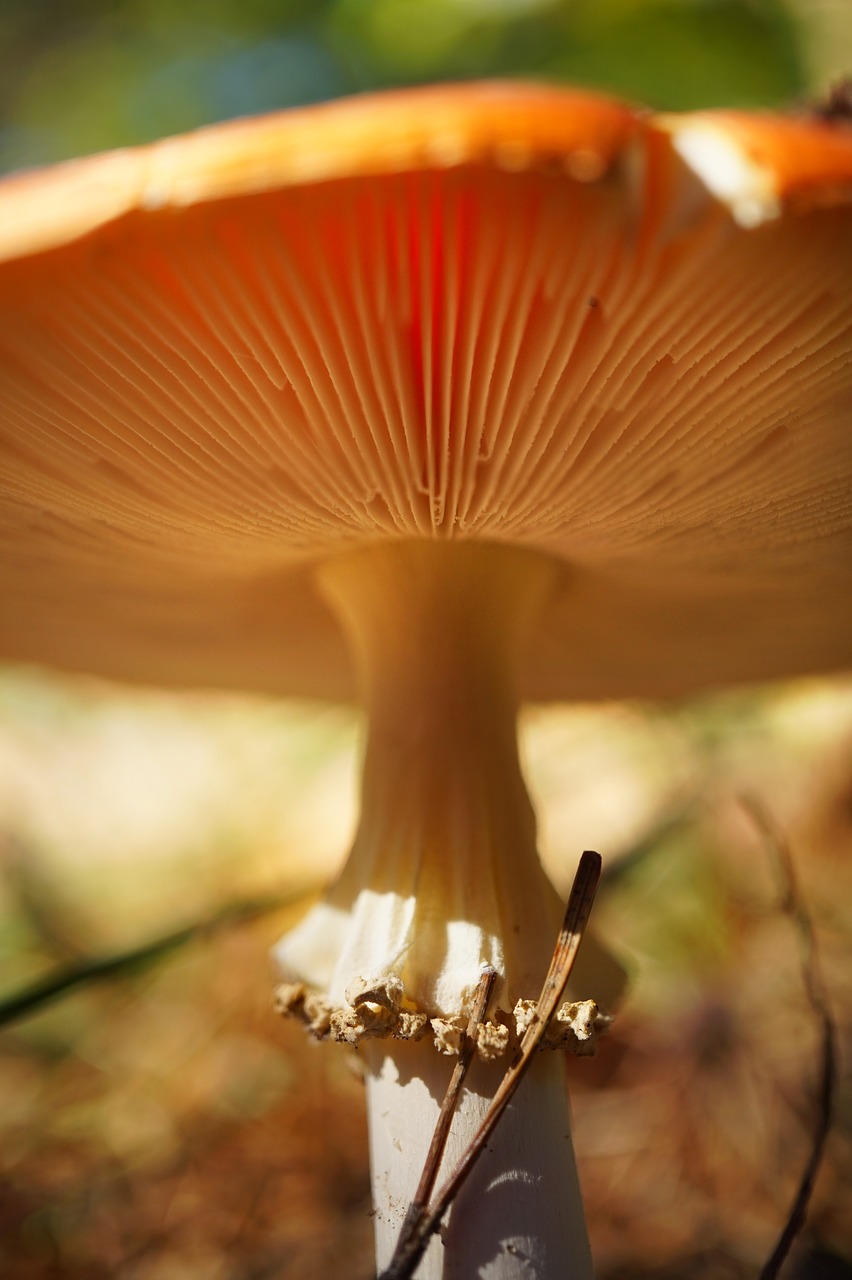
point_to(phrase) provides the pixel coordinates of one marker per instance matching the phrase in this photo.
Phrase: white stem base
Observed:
(519, 1216)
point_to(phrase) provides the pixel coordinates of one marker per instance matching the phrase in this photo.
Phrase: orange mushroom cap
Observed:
(497, 312)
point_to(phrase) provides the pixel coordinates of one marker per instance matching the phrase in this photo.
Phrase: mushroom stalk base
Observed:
(519, 1214)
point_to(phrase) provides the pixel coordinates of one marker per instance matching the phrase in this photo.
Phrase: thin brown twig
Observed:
(420, 1203)
(794, 907)
(412, 1245)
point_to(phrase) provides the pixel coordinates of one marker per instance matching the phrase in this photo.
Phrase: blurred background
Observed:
(82, 75)
(163, 1125)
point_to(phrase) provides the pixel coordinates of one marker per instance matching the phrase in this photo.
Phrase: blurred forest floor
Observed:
(164, 1125)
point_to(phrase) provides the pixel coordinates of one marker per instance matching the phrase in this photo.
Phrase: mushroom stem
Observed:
(443, 877)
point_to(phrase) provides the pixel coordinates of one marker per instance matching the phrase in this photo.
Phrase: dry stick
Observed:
(419, 1205)
(442, 1128)
(413, 1243)
(818, 1001)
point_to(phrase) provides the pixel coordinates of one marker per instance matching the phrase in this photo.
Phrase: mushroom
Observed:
(451, 397)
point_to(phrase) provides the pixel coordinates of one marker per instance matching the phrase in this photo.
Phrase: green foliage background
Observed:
(82, 75)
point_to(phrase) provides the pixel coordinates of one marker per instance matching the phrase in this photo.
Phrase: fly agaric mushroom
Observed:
(455, 396)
